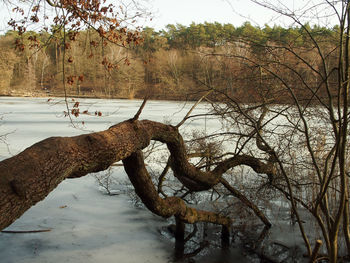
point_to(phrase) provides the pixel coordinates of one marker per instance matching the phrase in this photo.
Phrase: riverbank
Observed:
(91, 94)
(38, 94)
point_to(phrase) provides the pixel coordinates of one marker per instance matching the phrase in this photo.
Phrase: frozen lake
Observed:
(28, 120)
(86, 226)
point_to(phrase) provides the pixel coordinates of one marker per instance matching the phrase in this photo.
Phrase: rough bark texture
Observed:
(31, 175)
(170, 206)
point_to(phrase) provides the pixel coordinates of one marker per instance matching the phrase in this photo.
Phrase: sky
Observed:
(185, 12)
(235, 12)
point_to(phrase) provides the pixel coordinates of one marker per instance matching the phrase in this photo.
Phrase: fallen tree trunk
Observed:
(31, 175)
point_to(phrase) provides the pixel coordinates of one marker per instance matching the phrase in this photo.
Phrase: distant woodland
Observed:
(175, 63)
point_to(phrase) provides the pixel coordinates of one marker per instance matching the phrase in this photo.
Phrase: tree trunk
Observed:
(31, 175)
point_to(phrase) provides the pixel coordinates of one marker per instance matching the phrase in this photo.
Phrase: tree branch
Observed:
(30, 176)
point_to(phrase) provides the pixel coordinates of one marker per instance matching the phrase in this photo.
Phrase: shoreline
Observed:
(84, 96)
(88, 96)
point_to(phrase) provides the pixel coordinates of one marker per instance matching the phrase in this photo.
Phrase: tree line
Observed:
(175, 63)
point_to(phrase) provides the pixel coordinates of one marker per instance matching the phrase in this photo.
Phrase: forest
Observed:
(175, 63)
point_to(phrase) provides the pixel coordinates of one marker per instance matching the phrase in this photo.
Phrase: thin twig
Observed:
(313, 257)
(24, 231)
(138, 113)
(193, 107)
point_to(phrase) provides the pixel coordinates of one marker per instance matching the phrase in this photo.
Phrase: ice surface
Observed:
(86, 226)
(28, 120)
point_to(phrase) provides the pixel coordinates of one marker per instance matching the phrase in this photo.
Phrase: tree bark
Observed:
(30, 176)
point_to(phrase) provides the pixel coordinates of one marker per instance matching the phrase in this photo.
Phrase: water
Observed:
(86, 225)
(28, 120)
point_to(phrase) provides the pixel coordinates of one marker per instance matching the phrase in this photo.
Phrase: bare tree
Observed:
(298, 125)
